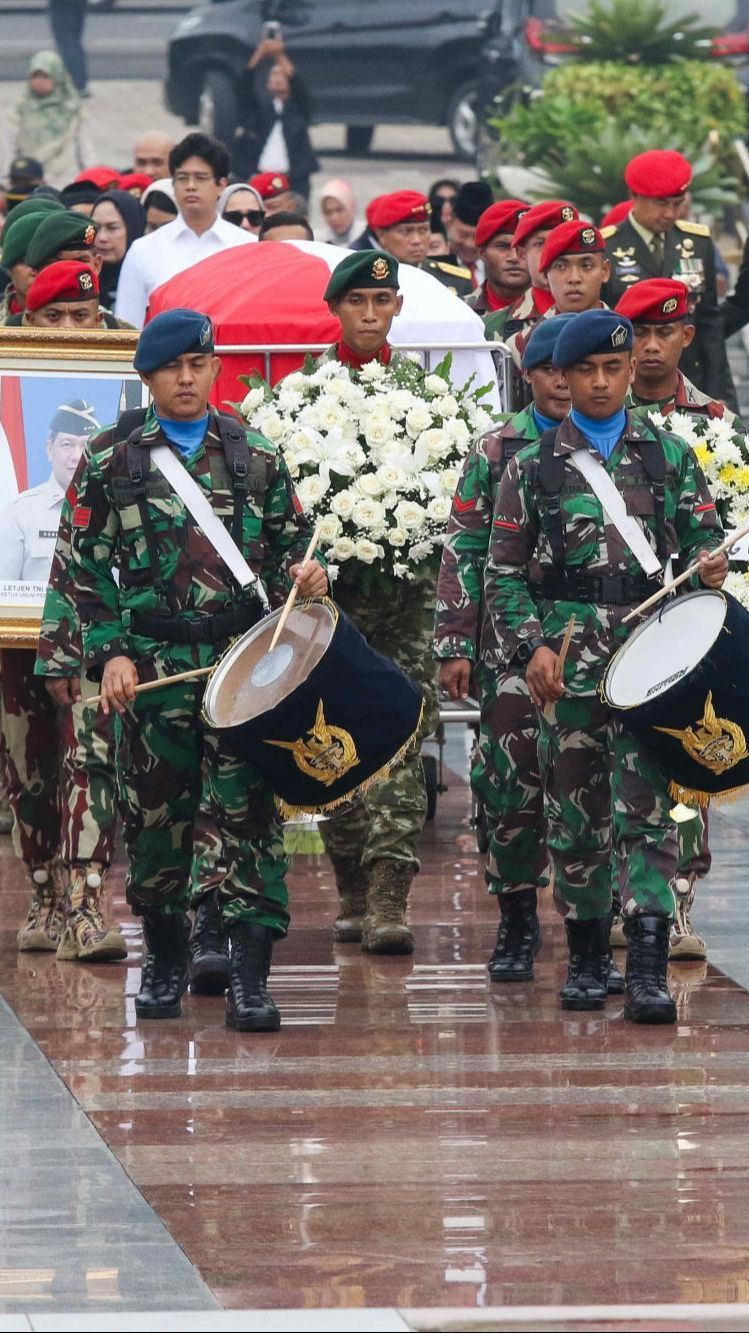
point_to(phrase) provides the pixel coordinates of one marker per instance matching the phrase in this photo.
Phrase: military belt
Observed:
(602, 589)
(213, 629)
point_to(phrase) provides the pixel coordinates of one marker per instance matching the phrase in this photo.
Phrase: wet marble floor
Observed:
(412, 1138)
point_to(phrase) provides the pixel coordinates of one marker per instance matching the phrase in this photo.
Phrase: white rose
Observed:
(366, 551)
(418, 420)
(439, 509)
(450, 478)
(396, 536)
(431, 483)
(399, 402)
(436, 385)
(433, 444)
(344, 548)
(331, 415)
(373, 372)
(311, 491)
(391, 477)
(410, 515)
(269, 423)
(330, 528)
(448, 406)
(251, 401)
(342, 504)
(457, 430)
(295, 381)
(370, 484)
(378, 430)
(368, 513)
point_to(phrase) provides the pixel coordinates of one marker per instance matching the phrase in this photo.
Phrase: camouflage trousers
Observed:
(386, 823)
(163, 749)
(695, 857)
(505, 777)
(607, 812)
(60, 770)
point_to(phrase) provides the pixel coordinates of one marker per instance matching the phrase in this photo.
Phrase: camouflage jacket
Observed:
(460, 586)
(479, 302)
(593, 546)
(517, 342)
(686, 398)
(520, 316)
(107, 535)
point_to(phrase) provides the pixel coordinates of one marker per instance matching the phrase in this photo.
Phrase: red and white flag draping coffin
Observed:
(272, 293)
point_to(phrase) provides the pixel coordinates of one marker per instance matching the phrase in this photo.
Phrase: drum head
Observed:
(248, 681)
(664, 650)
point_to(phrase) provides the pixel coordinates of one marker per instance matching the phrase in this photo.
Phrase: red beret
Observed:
(65, 281)
(104, 178)
(503, 216)
(655, 301)
(617, 214)
(542, 217)
(403, 206)
(135, 180)
(371, 207)
(572, 238)
(269, 184)
(660, 174)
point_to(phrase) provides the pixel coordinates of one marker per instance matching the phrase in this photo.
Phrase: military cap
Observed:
(362, 268)
(66, 280)
(74, 418)
(471, 201)
(543, 339)
(35, 204)
(269, 184)
(592, 333)
(502, 216)
(661, 173)
(25, 170)
(655, 301)
(171, 334)
(17, 236)
(542, 217)
(80, 192)
(60, 231)
(571, 238)
(401, 206)
(617, 214)
(104, 178)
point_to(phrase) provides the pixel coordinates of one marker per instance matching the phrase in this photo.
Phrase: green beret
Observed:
(35, 204)
(17, 237)
(362, 268)
(60, 231)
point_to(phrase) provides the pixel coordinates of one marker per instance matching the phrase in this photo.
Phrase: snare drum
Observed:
(322, 716)
(681, 685)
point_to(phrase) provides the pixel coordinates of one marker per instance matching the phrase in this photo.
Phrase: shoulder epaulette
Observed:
(694, 228)
(609, 231)
(452, 270)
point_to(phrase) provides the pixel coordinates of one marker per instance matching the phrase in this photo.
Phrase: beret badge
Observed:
(670, 305)
(619, 336)
(85, 282)
(588, 236)
(568, 214)
(89, 235)
(380, 269)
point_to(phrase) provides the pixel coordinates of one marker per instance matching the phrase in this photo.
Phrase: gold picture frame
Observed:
(37, 367)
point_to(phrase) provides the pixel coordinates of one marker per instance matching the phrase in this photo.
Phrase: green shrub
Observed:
(637, 32)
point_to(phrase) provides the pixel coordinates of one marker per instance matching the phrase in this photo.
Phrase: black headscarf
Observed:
(134, 218)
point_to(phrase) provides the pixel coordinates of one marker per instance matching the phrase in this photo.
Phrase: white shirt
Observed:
(275, 154)
(154, 259)
(29, 525)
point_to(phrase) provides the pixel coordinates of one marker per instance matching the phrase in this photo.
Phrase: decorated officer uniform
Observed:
(687, 254)
(593, 769)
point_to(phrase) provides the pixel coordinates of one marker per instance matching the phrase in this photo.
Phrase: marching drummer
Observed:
(178, 603)
(560, 502)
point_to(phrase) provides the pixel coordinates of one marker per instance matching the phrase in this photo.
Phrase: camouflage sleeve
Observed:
(514, 537)
(460, 585)
(95, 530)
(285, 528)
(698, 526)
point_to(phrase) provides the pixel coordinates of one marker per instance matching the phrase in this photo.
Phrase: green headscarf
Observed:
(45, 121)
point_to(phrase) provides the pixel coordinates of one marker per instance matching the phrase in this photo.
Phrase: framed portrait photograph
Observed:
(57, 389)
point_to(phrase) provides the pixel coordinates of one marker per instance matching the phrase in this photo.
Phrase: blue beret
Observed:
(593, 333)
(540, 346)
(170, 335)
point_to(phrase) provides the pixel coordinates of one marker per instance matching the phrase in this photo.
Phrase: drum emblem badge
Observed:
(325, 753)
(715, 742)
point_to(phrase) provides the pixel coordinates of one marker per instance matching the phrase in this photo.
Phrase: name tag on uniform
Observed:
(47, 534)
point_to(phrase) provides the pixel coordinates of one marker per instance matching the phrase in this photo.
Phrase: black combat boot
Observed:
(163, 978)
(646, 994)
(616, 979)
(587, 981)
(518, 937)
(209, 949)
(249, 1007)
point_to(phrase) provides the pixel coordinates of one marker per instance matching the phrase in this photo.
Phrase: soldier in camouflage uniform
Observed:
(602, 790)
(507, 276)
(573, 261)
(373, 845)
(528, 239)
(176, 607)
(505, 775)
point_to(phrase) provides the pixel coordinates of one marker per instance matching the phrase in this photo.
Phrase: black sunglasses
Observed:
(235, 215)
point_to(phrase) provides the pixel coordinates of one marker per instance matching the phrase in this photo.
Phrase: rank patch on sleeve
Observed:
(462, 506)
(71, 495)
(81, 517)
(505, 523)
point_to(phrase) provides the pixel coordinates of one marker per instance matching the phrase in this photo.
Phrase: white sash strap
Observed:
(615, 510)
(199, 506)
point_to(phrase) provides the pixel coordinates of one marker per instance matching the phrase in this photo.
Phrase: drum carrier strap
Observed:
(248, 477)
(620, 589)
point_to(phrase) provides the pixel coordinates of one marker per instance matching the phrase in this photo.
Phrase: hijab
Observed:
(45, 121)
(133, 215)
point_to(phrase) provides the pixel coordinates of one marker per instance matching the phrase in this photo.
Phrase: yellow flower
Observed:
(702, 453)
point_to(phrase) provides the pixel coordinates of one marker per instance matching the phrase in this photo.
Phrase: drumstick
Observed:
(290, 600)
(562, 658)
(193, 674)
(687, 574)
